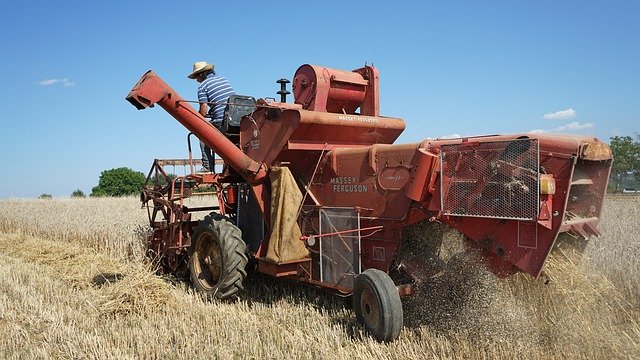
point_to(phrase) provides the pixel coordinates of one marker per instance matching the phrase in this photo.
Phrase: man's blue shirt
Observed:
(215, 89)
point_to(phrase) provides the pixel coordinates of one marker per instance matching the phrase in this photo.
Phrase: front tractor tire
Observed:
(217, 258)
(377, 304)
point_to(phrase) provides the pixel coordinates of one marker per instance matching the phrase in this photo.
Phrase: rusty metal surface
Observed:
(171, 222)
(184, 162)
(270, 131)
(322, 89)
(596, 151)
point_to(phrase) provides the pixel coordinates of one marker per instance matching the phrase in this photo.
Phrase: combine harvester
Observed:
(317, 192)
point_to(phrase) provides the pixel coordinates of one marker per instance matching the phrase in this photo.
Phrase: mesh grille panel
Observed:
(339, 254)
(497, 179)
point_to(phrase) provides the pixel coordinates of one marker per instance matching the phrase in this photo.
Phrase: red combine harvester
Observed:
(316, 192)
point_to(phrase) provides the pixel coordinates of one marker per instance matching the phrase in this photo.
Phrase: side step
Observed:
(584, 227)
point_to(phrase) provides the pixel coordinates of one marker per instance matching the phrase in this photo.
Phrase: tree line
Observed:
(626, 161)
(115, 182)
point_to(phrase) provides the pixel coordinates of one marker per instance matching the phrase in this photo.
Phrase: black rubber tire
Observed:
(377, 304)
(217, 258)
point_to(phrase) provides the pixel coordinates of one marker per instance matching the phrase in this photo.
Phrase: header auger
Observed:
(316, 191)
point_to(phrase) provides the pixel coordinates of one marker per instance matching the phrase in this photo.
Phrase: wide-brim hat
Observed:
(198, 67)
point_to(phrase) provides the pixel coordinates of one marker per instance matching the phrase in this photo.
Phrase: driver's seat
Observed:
(237, 107)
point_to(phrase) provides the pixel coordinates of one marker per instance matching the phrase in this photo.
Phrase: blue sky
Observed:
(447, 68)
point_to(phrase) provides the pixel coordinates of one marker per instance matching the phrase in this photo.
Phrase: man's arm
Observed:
(203, 109)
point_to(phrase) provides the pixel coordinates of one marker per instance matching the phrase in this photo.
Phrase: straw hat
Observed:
(198, 67)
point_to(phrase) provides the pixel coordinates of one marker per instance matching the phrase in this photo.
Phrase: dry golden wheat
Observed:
(73, 285)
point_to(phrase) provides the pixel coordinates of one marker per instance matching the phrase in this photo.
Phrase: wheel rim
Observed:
(208, 261)
(370, 309)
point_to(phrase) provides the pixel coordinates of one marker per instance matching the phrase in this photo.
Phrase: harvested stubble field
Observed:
(74, 285)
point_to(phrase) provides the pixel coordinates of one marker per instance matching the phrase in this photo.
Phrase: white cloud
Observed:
(560, 115)
(572, 126)
(48, 82)
(536, 131)
(450, 136)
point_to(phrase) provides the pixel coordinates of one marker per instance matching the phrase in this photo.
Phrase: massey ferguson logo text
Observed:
(347, 184)
(363, 119)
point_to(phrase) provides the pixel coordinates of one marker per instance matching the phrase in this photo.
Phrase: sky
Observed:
(454, 68)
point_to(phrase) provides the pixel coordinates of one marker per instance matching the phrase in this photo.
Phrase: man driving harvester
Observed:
(214, 89)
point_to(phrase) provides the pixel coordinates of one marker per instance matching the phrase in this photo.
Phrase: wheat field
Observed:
(74, 284)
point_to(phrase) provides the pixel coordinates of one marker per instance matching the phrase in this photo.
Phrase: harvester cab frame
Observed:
(318, 192)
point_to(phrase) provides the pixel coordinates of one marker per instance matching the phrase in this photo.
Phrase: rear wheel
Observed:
(217, 258)
(377, 305)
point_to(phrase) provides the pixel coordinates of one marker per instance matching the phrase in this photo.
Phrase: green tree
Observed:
(626, 158)
(119, 182)
(78, 193)
(637, 170)
(45, 196)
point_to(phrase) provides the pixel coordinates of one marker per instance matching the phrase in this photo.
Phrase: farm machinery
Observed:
(317, 192)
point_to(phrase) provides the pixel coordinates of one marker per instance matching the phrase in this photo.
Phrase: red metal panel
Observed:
(330, 90)
(356, 178)
(345, 128)
(269, 130)
(266, 135)
(380, 249)
(423, 172)
(371, 103)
